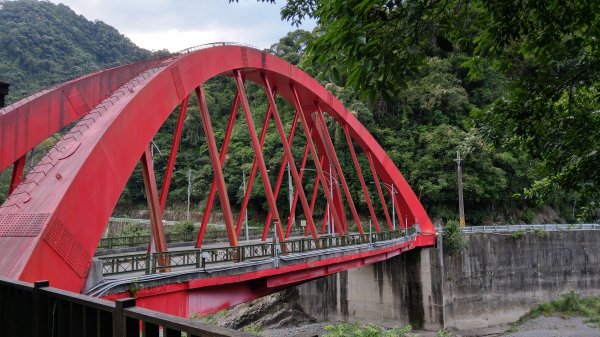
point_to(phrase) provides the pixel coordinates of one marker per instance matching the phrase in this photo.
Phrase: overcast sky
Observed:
(178, 24)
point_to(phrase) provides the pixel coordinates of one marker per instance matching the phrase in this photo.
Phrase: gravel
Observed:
(309, 330)
(555, 326)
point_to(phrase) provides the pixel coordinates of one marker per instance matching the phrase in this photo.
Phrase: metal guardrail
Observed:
(143, 240)
(39, 310)
(214, 44)
(526, 228)
(199, 258)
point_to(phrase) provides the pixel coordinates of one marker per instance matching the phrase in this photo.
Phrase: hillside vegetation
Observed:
(44, 44)
(421, 127)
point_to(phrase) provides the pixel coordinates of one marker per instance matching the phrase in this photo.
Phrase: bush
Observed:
(454, 241)
(356, 330)
(568, 305)
(184, 227)
(135, 229)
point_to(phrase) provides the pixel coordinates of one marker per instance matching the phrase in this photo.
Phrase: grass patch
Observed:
(567, 305)
(253, 329)
(212, 319)
(369, 330)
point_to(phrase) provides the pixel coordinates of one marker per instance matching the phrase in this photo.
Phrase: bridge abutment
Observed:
(494, 280)
(403, 290)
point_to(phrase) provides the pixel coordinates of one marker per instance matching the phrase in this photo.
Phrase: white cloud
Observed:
(175, 25)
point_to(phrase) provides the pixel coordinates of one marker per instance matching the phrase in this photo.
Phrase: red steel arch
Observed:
(52, 222)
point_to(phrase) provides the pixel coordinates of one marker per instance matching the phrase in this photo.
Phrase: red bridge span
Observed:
(56, 211)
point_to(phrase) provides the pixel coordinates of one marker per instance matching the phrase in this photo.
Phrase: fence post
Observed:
(241, 253)
(40, 325)
(148, 261)
(119, 318)
(153, 270)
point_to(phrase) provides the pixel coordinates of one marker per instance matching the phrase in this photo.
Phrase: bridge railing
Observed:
(142, 240)
(199, 258)
(39, 310)
(527, 228)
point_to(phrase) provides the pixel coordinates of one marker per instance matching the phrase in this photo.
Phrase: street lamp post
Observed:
(189, 192)
(246, 210)
(291, 194)
(331, 180)
(461, 205)
(392, 190)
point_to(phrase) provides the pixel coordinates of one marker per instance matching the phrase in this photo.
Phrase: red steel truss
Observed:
(54, 216)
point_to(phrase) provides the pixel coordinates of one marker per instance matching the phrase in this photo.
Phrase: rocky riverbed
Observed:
(279, 315)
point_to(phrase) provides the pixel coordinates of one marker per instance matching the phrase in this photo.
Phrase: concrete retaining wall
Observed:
(494, 280)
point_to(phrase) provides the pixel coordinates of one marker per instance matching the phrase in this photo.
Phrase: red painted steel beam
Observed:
(30, 121)
(289, 156)
(213, 187)
(259, 156)
(101, 153)
(282, 168)
(281, 172)
(401, 221)
(315, 155)
(338, 167)
(333, 185)
(246, 200)
(379, 191)
(313, 199)
(164, 191)
(209, 295)
(17, 173)
(361, 179)
(218, 168)
(288, 227)
(158, 232)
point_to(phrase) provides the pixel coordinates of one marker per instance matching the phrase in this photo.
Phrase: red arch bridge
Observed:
(58, 207)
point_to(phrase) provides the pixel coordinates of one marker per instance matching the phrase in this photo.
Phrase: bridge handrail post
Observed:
(154, 258)
(119, 319)
(198, 256)
(37, 309)
(148, 261)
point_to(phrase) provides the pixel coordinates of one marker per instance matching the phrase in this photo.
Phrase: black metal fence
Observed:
(39, 310)
(210, 235)
(196, 258)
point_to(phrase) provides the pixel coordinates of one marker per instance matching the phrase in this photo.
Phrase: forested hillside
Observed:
(421, 124)
(42, 44)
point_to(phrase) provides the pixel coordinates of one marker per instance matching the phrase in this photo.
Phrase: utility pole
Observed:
(461, 205)
(189, 193)
(291, 195)
(246, 210)
(393, 207)
(331, 231)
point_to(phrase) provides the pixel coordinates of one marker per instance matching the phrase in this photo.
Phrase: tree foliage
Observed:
(546, 51)
(422, 125)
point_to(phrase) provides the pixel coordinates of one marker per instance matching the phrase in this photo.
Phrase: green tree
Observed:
(547, 50)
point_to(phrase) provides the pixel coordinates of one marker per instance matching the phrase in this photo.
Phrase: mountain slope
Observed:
(44, 44)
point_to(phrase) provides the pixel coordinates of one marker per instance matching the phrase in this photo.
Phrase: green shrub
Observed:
(518, 234)
(183, 227)
(568, 305)
(369, 330)
(443, 333)
(454, 241)
(135, 229)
